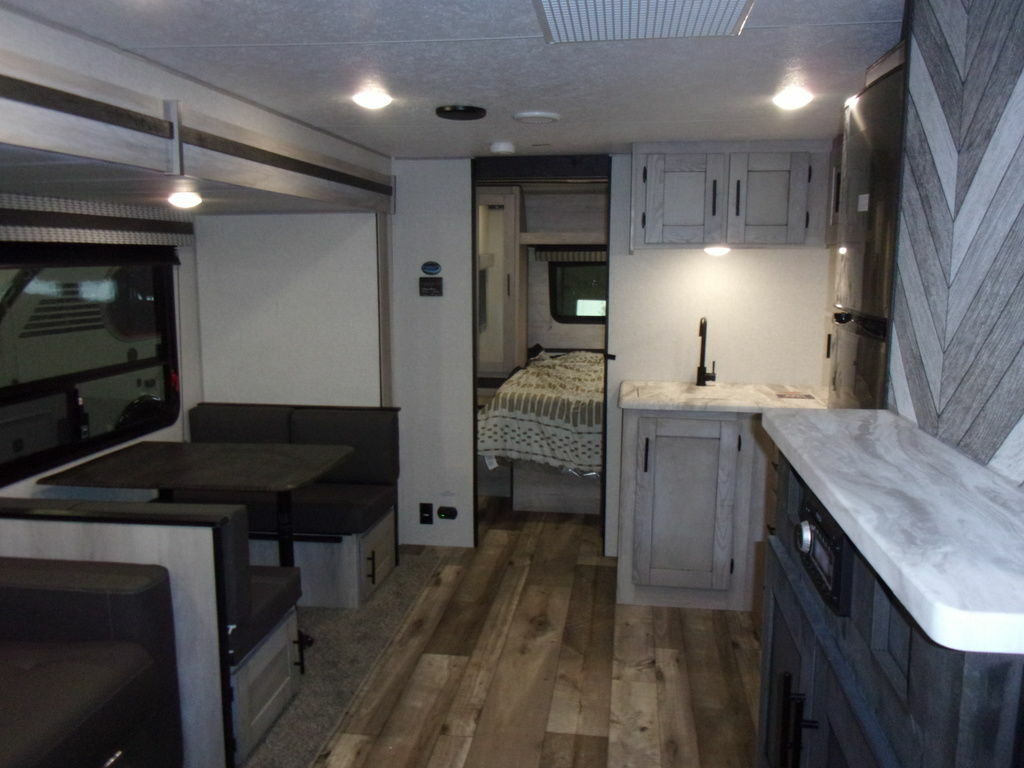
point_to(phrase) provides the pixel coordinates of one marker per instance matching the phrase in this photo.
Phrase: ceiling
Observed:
(304, 58)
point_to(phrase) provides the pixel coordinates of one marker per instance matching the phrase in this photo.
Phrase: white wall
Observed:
(765, 310)
(433, 347)
(288, 308)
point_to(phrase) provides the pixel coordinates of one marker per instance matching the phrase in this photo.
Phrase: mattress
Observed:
(550, 412)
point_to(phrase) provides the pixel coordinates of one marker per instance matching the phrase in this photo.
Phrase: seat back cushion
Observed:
(238, 423)
(372, 432)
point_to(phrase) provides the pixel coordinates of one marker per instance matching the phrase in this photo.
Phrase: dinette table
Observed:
(166, 467)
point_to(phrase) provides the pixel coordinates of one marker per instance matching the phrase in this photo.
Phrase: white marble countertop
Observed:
(944, 533)
(737, 398)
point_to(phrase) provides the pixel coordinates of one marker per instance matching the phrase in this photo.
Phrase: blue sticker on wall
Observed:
(431, 268)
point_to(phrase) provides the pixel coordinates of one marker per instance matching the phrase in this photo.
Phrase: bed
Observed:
(550, 412)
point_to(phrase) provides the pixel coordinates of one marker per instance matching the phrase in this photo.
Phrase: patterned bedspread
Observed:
(549, 412)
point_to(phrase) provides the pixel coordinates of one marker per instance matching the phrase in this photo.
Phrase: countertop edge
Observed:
(990, 631)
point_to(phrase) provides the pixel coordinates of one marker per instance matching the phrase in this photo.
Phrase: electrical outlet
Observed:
(426, 514)
(447, 513)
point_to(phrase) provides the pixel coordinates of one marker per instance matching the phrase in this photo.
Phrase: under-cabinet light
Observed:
(717, 250)
(184, 199)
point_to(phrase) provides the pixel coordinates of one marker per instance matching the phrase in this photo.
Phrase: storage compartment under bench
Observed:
(338, 574)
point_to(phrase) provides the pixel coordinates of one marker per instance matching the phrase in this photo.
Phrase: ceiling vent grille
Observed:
(586, 21)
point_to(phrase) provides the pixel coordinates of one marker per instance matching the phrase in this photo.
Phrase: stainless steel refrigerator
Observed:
(865, 248)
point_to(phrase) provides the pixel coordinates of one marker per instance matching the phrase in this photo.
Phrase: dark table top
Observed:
(272, 467)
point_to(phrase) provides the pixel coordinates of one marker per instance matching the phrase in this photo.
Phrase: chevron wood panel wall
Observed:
(957, 365)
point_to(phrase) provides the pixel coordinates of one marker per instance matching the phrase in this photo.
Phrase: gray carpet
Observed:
(347, 642)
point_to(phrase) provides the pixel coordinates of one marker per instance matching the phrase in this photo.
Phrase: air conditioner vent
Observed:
(585, 21)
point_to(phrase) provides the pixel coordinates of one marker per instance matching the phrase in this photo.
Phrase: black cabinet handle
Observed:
(372, 575)
(647, 451)
(737, 197)
(785, 744)
(714, 197)
(799, 725)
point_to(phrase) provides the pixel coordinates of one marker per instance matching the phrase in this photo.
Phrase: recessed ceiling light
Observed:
(535, 117)
(184, 199)
(842, 250)
(372, 97)
(792, 97)
(717, 250)
(460, 112)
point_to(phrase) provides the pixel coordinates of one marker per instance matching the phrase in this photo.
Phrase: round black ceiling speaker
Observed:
(460, 112)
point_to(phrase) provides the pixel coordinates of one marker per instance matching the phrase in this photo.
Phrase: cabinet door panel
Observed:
(768, 197)
(787, 665)
(683, 528)
(683, 198)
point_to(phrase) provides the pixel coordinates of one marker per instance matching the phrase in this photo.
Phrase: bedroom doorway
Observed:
(540, 316)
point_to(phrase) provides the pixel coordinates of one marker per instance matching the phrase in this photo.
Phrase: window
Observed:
(579, 291)
(88, 356)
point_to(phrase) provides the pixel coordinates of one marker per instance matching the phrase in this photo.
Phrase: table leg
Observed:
(285, 530)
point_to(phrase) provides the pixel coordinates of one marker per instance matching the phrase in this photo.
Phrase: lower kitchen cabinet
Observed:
(812, 715)
(683, 518)
(861, 685)
(688, 504)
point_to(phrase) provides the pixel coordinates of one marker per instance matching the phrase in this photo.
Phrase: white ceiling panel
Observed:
(305, 58)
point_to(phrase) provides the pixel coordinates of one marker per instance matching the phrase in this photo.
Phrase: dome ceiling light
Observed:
(460, 112)
(373, 97)
(535, 117)
(792, 97)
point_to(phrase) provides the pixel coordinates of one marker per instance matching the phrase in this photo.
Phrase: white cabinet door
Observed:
(685, 490)
(683, 199)
(768, 194)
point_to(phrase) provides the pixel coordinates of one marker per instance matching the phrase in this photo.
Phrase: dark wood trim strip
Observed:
(19, 218)
(204, 140)
(80, 106)
(72, 104)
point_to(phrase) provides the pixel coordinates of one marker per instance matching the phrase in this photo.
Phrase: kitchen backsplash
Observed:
(957, 365)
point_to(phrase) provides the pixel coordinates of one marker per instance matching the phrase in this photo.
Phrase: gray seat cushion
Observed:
(372, 433)
(74, 702)
(319, 509)
(329, 509)
(239, 423)
(274, 592)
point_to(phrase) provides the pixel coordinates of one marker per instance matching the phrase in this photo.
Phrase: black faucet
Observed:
(703, 377)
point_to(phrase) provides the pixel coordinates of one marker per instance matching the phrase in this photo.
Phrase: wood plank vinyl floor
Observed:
(515, 655)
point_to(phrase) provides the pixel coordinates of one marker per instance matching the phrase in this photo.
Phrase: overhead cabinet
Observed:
(768, 196)
(740, 198)
(682, 202)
